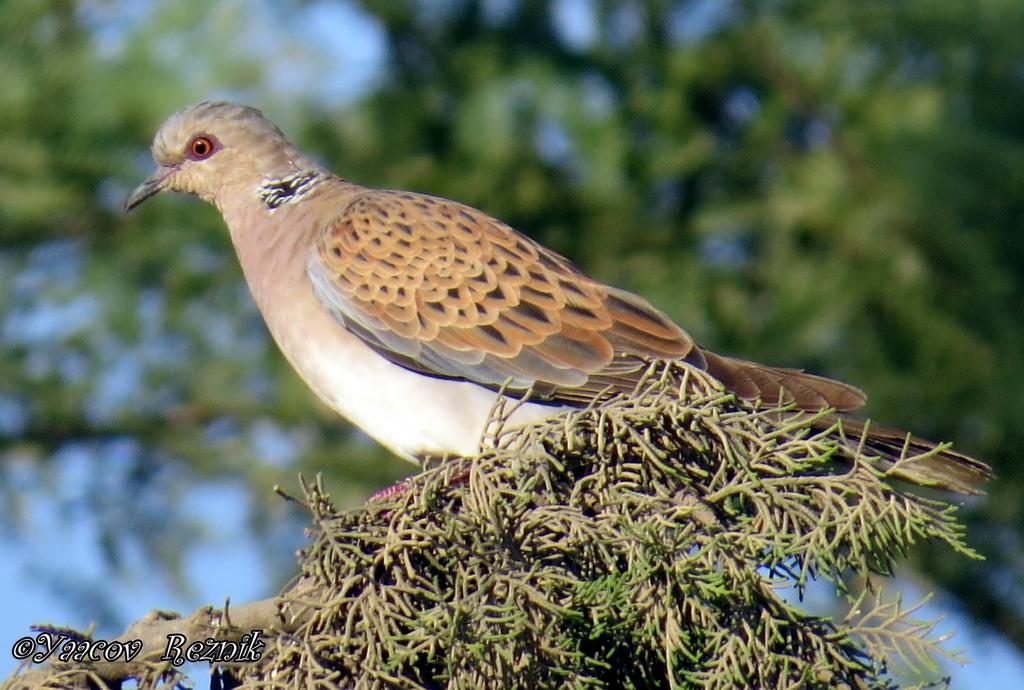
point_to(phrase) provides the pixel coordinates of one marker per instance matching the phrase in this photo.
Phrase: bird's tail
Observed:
(914, 459)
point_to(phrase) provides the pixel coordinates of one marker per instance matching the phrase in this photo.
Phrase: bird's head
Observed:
(210, 146)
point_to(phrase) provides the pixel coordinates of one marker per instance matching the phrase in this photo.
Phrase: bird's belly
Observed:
(410, 413)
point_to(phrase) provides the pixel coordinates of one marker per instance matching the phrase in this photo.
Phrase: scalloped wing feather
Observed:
(446, 290)
(449, 291)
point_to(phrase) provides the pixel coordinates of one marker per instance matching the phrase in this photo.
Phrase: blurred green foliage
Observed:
(829, 185)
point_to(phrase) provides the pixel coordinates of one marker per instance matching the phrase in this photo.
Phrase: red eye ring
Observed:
(201, 147)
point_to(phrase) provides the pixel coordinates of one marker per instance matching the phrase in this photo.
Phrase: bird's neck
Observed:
(271, 223)
(291, 188)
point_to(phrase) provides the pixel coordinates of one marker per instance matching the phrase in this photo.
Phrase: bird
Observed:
(411, 315)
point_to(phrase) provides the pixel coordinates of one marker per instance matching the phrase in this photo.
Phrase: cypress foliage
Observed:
(647, 543)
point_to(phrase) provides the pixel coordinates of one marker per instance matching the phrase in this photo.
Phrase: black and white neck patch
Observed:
(288, 190)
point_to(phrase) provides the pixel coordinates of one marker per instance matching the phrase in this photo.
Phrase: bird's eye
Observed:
(201, 147)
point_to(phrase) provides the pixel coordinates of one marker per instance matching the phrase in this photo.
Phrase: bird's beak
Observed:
(153, 185)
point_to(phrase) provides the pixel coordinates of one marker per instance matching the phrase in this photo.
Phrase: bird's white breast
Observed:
(410, 413)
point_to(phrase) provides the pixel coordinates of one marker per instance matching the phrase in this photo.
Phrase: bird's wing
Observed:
(446, 290)
(449, 291)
